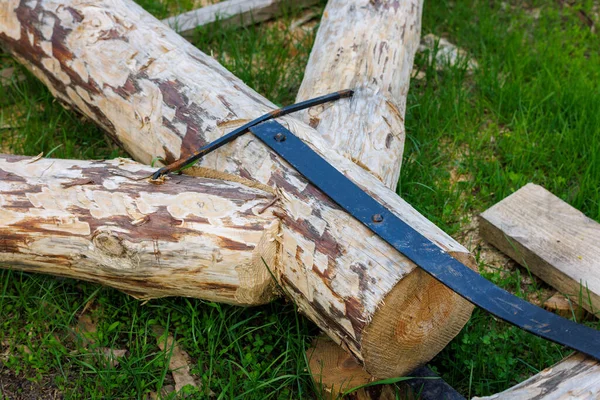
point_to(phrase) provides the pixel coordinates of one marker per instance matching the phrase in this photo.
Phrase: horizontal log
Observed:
(97, 221)
(157, 95)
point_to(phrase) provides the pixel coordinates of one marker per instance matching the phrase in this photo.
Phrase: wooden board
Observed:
(231, 12)
(554, 240)
(576, 377)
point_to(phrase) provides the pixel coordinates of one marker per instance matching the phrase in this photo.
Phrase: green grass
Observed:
(530, 113)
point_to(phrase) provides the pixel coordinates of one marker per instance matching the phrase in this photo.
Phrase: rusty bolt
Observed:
(377, 218)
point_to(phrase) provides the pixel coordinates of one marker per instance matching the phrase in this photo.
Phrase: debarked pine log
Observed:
(100, 221)
(370, 47)
(157, 95)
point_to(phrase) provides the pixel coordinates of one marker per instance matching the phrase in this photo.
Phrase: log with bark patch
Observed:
(157, 95)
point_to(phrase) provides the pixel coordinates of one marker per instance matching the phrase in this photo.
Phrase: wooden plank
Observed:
(231, 12)
(576, 377)
(554, 240)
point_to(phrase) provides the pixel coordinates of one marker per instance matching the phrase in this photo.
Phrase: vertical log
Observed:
(370, 46)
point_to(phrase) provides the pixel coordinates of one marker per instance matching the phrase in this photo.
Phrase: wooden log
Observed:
(336, 372)
(231, 12)
(369, 130)
(157, 95)
(95, 220)
(577, 377)
(565, 307)
(554, 240)
(369, 46)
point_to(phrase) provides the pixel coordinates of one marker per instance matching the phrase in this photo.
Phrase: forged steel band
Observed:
(420, 250)
(179, 164)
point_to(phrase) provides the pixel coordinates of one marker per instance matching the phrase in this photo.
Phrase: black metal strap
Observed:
(184, 162)
(420, 250)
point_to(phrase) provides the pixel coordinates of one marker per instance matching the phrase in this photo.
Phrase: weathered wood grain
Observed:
(368, 46)
(157, 95)
(554, 240)
(95, 220)
(231, 12)
(576, 378)
(369, 130)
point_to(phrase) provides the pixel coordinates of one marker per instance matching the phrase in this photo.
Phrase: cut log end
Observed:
(333, 369)
(416, 320)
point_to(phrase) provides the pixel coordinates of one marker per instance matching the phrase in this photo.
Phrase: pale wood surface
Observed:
(368, 46)
(370, 129)
(231, 12)
(554, 240)
(576, 377)
(334, 370)
(95, 220)
(157, 95)
(564, 307)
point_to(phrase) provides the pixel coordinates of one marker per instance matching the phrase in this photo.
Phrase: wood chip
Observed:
(86, 329)
(447, 53)
(36, 158)
(140, 221)
(10, 74)
(269, 204)
(77, 182)
(564, 307)
(112, 355)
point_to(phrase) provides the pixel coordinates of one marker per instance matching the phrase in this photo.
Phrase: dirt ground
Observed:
(18, 388)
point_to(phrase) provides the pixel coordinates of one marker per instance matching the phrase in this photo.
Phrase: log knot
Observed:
(109, 243)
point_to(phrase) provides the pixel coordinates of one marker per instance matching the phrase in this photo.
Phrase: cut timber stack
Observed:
(157, 95)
